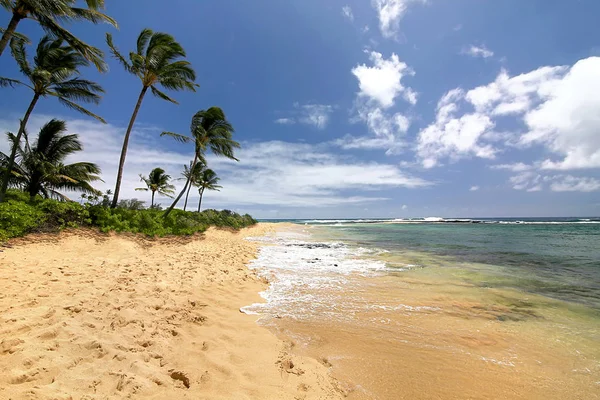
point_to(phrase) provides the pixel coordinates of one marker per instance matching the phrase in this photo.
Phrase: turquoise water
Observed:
(557, 260)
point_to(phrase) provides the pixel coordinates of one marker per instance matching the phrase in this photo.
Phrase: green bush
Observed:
(18, 217)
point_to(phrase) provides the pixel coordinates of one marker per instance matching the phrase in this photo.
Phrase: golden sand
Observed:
(87, 316)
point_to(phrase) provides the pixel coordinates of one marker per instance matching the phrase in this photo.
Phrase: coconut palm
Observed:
(208, 180)
(55, 73)
(191, 173)
(155, 62)
(50, 15)
(41, 169)
(157, 181)
(210, 130)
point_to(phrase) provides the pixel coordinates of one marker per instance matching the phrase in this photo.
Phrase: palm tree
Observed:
(191, 173)
(55, 73)
(50, 14)
(41, 169)
(155, 63)
(207, 180)
(157, 181)
(210, 130)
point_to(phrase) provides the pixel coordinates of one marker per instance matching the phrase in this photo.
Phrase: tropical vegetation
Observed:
(55, 73)
(41, 168)
(208, 180)
(158, 182)
(210, 130)
(50, 15)
(37, 174)
(156, 61)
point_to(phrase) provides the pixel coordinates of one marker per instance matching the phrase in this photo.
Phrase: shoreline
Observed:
(114, 316)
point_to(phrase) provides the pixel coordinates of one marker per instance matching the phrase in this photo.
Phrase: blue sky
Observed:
(383, 108)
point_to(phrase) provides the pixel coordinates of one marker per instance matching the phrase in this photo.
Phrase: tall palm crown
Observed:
(208, 180)
(210, 130)
(50, 14)
(156, 61)
(157, 181)
(40, 167)
(55, 73)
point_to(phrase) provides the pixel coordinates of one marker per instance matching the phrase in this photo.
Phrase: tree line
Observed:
(158, 61)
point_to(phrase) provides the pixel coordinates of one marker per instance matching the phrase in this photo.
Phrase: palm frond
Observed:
(161, 95)
(17, 49)
(92, 15)
(178, 137)
(4, 82)
(90, 53)
(77, 107)
(117, 55)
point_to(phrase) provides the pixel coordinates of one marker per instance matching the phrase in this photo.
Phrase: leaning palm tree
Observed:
(50, 14)
(208, 180)
(41, 168)
(157, 181)
(210, 130)
(55, 73)
(191, 174)
(155, 62)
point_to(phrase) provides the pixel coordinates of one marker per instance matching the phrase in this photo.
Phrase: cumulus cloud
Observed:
(347, 13)
(269, 173)
(453, 136)
(474, 188)
(478, 51)
(567, 122)
(380, 85)
(381, 82)
(390, 12)
(556, 107)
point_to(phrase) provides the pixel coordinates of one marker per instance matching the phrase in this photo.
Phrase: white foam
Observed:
(308, 278)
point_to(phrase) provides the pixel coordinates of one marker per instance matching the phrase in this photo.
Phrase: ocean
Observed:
(484, 308)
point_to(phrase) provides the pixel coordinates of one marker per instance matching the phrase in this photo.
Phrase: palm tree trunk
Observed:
(200, 201)
(185, 188)
(13, 153)
(124, 149)
(186, 196)
(10, 29)
(152, 205)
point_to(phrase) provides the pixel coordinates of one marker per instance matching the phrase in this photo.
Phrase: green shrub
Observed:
(18, 217)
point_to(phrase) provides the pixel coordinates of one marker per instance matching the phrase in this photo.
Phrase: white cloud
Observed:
(556, 105)
(453, 136)
(390, 12)
(347, 13)
(474, 188)
(533, 182)
(380, 85)
(317, 115)
(567, 122)
(404, 207)
(516, 167)
(285, 121)
(274, 173)
(381, 82)
(478, 51)
(568, 183)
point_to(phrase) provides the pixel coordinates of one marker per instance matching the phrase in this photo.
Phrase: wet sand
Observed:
(89, 316)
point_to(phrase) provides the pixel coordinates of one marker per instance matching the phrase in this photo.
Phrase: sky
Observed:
(359, 108)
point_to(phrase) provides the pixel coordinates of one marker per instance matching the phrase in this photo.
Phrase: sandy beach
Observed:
(90, 316)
